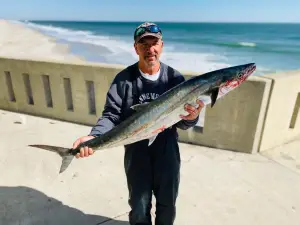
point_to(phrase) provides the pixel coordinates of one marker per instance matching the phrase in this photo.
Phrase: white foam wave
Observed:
(80, 36)
(56, 30)
(247, 44)
(194, 62)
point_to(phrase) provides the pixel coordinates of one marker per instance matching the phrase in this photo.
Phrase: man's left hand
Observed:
(193, 111)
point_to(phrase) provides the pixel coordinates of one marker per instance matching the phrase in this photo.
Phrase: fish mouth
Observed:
(250, 69)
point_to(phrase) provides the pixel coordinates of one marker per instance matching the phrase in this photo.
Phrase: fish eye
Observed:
(240, 75)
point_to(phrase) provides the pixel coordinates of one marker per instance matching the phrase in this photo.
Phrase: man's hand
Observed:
(86, 151)
(193, 111)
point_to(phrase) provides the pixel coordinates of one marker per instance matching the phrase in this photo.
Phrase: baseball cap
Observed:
(147, 29)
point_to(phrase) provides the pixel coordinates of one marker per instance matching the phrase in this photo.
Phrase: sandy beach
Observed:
(18, 41)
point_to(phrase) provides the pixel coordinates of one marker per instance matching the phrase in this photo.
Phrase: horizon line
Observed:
(157, 21)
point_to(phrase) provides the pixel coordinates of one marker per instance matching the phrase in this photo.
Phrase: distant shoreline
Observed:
(18, 41)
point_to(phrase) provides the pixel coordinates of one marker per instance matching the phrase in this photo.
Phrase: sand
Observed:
(19, 41)
(217, 187)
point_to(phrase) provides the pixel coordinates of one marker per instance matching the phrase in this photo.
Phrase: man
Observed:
(148, 168)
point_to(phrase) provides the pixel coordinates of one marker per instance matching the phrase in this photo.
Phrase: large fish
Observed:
(149, 119)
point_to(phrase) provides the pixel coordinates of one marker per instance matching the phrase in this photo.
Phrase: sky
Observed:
(155, 10)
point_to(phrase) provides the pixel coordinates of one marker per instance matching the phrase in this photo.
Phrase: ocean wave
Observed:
(260, 47)
(247, 44)
(263, 48)
(87, 41)
(110, 49)
(237, 44)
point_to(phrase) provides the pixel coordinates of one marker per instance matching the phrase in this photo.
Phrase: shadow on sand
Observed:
(26, 206)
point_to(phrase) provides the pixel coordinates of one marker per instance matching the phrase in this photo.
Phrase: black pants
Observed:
(155, 168)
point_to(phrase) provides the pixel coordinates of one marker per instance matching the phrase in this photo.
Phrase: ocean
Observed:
(195, 47)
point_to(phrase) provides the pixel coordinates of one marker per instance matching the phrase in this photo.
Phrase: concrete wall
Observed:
(76, 93)
(54, 90)
(282, 123)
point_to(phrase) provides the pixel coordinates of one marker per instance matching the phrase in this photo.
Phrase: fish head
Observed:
(238, 73)
(233, 77)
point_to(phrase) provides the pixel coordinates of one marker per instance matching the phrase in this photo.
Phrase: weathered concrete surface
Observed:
(282, 122)
(217, 186)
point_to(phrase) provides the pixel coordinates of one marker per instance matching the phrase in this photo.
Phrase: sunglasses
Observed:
(151, 28)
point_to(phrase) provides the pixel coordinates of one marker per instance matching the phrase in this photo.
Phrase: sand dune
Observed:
(19, 41)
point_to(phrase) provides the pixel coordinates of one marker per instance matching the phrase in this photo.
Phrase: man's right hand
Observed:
(86, 151)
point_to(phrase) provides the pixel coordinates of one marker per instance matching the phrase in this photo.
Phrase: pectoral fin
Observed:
(214, 96)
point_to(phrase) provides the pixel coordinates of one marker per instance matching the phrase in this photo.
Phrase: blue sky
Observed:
(155, 10)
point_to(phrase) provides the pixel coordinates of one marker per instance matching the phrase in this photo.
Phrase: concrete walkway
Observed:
(217, 186)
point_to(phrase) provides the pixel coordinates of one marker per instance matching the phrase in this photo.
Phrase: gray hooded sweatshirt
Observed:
(128, 88)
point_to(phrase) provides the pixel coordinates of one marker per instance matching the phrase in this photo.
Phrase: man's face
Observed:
(149, 50)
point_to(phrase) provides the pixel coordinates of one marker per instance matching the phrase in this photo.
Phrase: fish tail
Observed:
(66, 161)
(67, 154)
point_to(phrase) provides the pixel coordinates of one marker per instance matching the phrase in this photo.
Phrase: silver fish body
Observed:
(148, 120)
